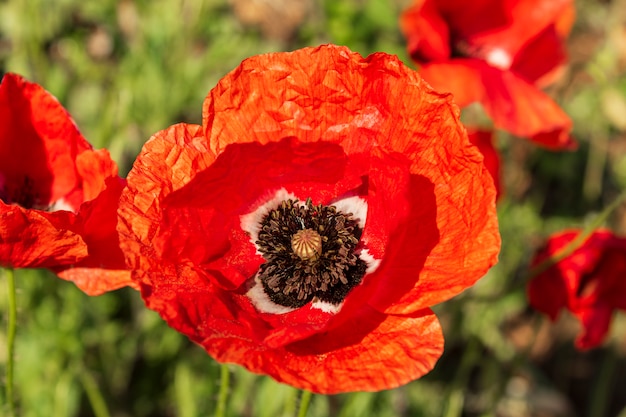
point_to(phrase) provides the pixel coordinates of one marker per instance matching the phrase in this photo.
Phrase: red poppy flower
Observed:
(304, 230)
(498, 53)
(589, 283)
(483, 139)
(58, 197)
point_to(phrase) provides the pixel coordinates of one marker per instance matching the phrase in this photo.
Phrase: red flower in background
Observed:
(498, 53)
(58, 197)
(306, 228)
(590, 283)
(483, 139)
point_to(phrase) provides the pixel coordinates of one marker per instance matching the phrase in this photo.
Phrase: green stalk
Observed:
(305, 400)
(602, 390)
(11, 327)
(96, 400)
(456, 397)
(220, 410)
(291, 404)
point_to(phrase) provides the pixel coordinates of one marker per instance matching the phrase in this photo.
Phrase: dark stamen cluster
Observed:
(24, 196)
(292, 280)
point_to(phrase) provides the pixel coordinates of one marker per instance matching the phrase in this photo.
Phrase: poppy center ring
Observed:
(311, 252)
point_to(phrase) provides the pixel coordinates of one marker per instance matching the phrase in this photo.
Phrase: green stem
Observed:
(98, 405)
(602, 390)
(305, 400)
(11, 326)
(579, 240)
(291, 404)
(220, 410)
(456, 397)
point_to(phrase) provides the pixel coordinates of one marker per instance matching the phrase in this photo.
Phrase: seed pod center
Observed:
(307, 244)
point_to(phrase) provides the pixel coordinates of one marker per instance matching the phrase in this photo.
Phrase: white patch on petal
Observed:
(251, 222)
(372, 263)
(262, 302)
(499, 58)
(327, 307)
(61, 204)
(355, 205)
(367, 118)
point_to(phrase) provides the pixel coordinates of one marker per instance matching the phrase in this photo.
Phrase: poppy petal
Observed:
(595, 324)
(529, 23)
(405, 347)
(214, 201)
(105, 268)
(167, 162)
(483, 139)
(541, 60)
(31, 240)
(461, 232)
(589, 282)
(514, 104)
(59, 196)
(48, 139)
(490, 30)
(498, 53)
(427, 33)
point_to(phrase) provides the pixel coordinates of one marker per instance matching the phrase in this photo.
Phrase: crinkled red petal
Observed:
(94, 168)
(97, 280)
(514, 104)
(104, 269)
(438, 240)
(188, 299)
(168, 161)
(243, 175)
(36, 239)
(372, 353)
(348, 358)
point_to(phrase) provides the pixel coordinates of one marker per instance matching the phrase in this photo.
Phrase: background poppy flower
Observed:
(483, 139)
(347, 151)
(589, 283)
(58, 196)
(498, 53)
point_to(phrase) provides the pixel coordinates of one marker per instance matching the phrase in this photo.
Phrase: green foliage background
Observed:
(126, 69)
